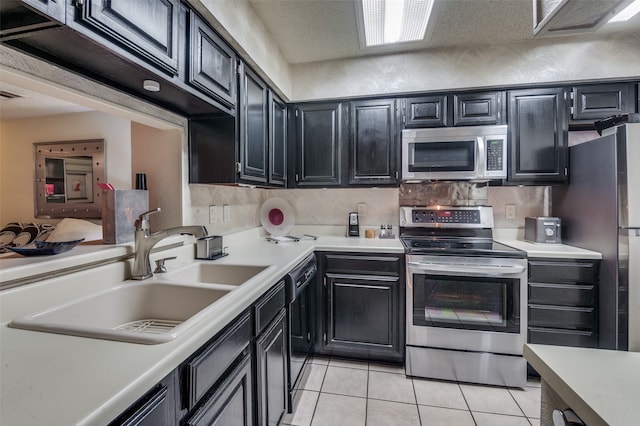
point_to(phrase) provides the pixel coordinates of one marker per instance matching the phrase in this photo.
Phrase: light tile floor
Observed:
(336, 392)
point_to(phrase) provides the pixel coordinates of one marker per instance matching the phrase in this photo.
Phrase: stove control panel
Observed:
(445, 216)
(452, 217)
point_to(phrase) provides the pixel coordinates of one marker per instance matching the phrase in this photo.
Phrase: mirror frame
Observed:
(65, 149)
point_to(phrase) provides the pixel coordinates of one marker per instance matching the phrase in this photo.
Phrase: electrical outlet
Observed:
(214, 215)
(226, 213)
(510, 211)
(362, 208)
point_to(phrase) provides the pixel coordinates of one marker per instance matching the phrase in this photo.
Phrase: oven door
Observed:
(467, 303)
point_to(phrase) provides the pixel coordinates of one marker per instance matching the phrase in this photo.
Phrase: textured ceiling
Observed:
(33, 104)
(320, 30)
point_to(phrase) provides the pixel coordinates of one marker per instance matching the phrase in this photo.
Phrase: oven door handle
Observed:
(481, 269)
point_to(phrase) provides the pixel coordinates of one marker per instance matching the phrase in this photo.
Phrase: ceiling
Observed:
(320, 30)
(30, 103)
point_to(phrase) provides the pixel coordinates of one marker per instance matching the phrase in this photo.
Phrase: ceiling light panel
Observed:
(393, 21)
(627, 13)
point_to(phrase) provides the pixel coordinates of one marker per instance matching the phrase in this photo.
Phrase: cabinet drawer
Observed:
(368, 265)
(207, 367)
(230, 403)
(561, 317)
(269, 306)
(553, 336)
(552, 271)
(562, 294)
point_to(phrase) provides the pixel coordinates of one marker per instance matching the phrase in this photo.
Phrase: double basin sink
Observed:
(151, 311)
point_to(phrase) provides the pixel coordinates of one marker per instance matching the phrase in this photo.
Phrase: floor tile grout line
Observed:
(517, 404)
(415, 395)
(319, 393)
(467, 402)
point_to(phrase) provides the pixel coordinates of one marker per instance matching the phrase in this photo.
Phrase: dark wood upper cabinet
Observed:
(538, 136)
(473, 109)
(277, 140)
(374, 143)
(321, 132)
(253, 126)
(148, 28)
(211, 62)
(20, 17)
(598, 101)
(426, 111)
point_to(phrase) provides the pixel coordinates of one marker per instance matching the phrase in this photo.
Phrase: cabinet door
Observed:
(148, 28)
(212, 64)
(271, 373)
(253, 127)
(374, 143)
(362, 317)
(472, 109)
(156, 407)
(538, 136)
(320, 133)
(231, 403)
(600, 101)
(277, 140)
(426, 111)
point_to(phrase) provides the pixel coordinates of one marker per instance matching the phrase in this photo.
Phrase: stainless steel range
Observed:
(466, 297)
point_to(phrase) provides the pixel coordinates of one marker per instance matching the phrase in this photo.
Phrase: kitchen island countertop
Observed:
(600, 386)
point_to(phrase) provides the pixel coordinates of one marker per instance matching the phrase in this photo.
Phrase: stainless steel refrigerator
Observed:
(600, 210)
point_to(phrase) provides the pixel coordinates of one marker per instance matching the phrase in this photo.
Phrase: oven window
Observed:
(455, 156)
(471, 303)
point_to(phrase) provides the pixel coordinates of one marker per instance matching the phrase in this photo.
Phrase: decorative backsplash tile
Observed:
(380, 205)
(443, 193)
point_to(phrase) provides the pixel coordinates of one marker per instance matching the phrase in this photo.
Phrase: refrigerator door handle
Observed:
(634, 289)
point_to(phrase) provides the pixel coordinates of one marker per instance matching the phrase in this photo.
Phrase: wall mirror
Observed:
(67, 174)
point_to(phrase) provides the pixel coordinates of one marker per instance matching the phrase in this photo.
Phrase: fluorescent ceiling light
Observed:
(393, 21)
(627, 13)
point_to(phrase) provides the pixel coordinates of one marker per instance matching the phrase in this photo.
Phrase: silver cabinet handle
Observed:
(465, 268)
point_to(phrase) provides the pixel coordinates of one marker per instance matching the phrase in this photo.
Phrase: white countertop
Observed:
(514, 237)
(601, 386)
(56, 379)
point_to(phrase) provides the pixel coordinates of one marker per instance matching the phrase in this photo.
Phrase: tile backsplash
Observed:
(377, 205)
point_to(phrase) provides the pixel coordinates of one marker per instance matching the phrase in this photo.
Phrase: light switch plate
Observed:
(214, 215)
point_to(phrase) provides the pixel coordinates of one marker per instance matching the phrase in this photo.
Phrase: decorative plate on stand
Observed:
(277, 217)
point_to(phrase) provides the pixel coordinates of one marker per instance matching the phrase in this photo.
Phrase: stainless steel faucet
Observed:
(144, 242)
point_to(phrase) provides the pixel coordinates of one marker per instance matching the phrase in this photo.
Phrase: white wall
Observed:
(549, 60)
(17, 154)
(157, 153)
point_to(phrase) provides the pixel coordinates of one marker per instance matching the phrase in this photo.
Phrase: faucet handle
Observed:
(142, 223)
(160, 265)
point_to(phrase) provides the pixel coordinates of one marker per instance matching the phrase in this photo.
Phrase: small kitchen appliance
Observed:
(466, 297)
(542, 230)
(209, 247)
(476, 153)
(354, 225)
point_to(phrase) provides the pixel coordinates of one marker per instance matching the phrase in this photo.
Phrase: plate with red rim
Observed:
(277, 216)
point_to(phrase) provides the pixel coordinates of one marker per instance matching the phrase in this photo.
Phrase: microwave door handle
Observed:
(480, 162)
(479, 269)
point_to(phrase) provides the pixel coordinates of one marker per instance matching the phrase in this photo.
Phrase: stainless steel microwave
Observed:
(477, 153)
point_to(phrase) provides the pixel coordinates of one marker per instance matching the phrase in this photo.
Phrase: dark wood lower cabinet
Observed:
(362, 308)
(156, 407)
(272, 369)
(231, 402)
(562, 302)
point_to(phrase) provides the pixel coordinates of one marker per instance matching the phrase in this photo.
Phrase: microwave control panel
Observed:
(495, 154)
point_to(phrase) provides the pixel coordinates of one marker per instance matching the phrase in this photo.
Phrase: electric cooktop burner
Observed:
(461, 231)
